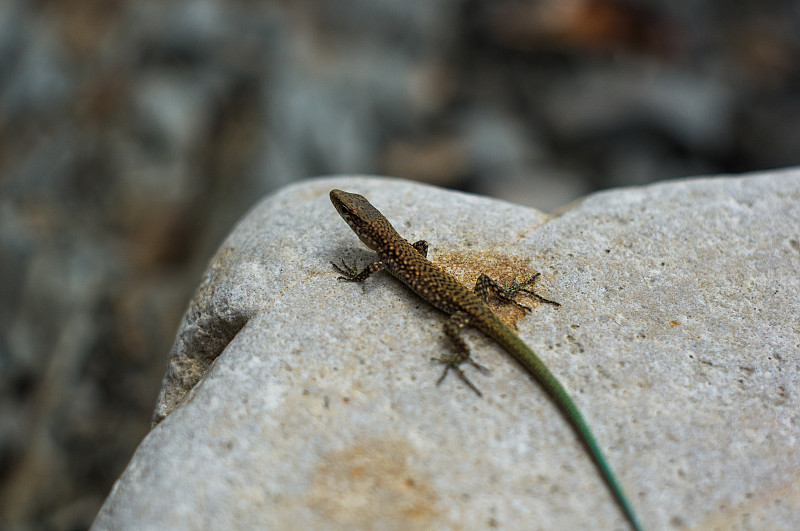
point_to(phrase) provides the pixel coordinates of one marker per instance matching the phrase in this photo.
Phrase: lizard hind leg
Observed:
(453, 360)
(486, 286)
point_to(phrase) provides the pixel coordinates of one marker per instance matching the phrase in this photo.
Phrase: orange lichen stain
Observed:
(371, 485)
(674, 323)
(467, 267)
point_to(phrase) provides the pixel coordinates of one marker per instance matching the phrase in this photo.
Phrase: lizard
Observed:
(408, 263)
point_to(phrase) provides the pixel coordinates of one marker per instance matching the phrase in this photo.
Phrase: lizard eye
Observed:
(344, 209)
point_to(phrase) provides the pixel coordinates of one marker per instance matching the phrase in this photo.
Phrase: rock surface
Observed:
(315, 404)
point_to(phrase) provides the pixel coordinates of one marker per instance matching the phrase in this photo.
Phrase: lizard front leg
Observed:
(351, 275)
(486, 286)
(452, 328)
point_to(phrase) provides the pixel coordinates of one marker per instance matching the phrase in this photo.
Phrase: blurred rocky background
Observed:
(133, 133)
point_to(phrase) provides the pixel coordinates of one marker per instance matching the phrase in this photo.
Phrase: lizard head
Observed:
(362, 217)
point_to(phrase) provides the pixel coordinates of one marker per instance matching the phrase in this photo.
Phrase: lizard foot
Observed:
(348, 273)
(453, 361)
(509, 292)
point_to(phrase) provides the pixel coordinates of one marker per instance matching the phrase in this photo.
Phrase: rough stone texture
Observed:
(678, 337)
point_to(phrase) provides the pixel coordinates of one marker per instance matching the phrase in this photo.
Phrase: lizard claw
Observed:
(452, 362)
(509, 292)
(347, 273)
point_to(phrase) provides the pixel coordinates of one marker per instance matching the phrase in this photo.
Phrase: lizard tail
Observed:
(536, 367)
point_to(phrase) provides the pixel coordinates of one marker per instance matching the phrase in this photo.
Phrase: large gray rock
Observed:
(312, 403)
